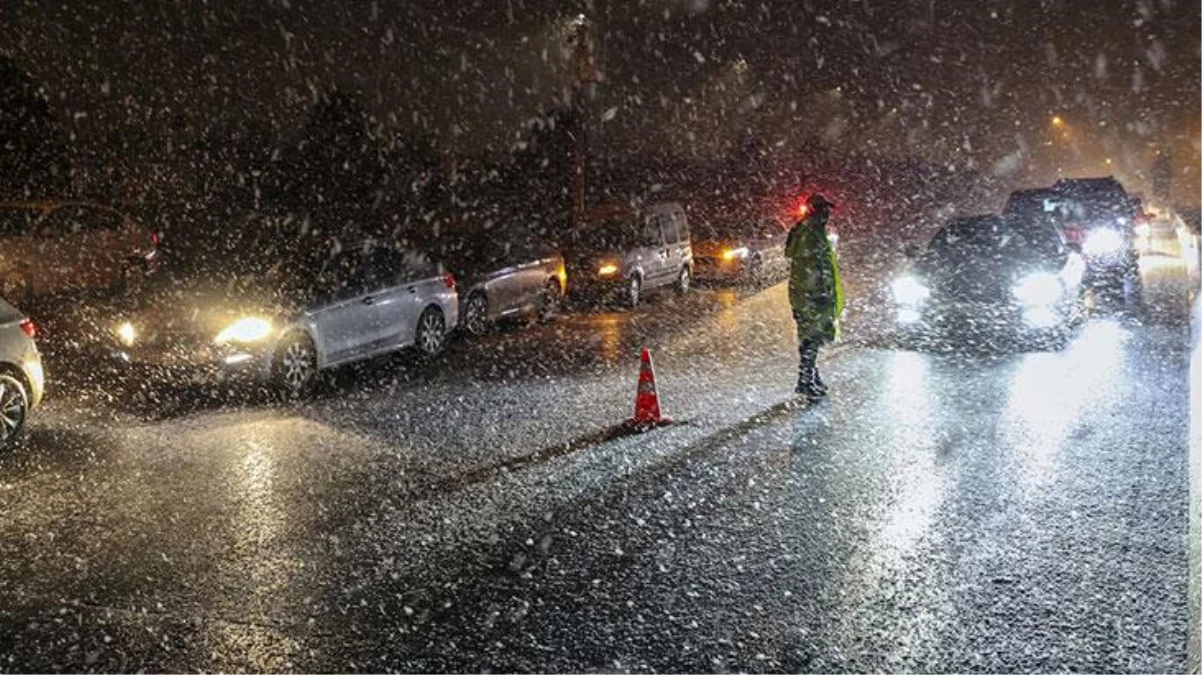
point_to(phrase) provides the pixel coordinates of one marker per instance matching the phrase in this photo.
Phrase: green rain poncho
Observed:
(815, 291)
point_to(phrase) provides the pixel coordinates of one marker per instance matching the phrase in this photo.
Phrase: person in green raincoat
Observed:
(815, 291)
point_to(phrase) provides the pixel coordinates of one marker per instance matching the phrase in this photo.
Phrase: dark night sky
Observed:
(956, 80)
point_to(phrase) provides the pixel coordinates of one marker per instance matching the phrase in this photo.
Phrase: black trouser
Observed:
(807, 368)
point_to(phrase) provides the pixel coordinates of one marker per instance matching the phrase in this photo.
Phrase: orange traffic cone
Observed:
(646, 400)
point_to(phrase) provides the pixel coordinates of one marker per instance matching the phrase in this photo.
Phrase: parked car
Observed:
(281, 323)
(50, 248)
(740, 250)
(992, 275)
(504, 273)
(622, 252)
(21, 377)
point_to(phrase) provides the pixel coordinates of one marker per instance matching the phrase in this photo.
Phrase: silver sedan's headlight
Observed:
(246, 329)
(1039, 289)
(909, 291)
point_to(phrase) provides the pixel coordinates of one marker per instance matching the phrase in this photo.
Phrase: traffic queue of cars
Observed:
(1028, 272)
(251, 308)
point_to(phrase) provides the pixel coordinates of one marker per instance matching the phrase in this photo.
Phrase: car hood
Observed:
(197, 311)
(975, 278)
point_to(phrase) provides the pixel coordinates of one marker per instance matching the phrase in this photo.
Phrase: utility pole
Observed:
(584, 85)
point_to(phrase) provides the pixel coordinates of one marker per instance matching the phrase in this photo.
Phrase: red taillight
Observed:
(449, 280)
(155, 237)
(29, 327)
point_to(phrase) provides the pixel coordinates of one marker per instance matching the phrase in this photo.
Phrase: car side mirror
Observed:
(912, 251)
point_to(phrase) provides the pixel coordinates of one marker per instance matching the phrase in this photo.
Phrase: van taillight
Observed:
(29, 327)
(155, 237)
(449, 280)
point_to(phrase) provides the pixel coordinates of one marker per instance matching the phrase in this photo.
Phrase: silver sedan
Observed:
(365, 301)
(21, 377)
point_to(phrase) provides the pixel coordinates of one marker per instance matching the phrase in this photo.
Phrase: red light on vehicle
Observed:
(29, 327)
(803, 209)
(155, 237)
(449, 280)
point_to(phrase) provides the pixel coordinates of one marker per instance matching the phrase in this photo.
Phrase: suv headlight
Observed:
(247, 329)
(607, 269)
(908, 290)
(1103, 242)
(1039, 289)
(733, 253)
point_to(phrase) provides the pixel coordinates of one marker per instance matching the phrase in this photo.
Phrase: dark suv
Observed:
(1097, 217)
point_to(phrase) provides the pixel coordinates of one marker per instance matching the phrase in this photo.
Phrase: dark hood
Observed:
(979, 277)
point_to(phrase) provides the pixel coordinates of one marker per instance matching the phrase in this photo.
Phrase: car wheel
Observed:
(475, 314)
(682, 282)
(14, 404)
(431, 334)
(296, 365)
(634, 291)
(548, 302)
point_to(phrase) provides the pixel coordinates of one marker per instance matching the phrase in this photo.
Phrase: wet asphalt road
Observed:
(982, 510)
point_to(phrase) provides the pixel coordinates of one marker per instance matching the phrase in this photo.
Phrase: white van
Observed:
(624, 252)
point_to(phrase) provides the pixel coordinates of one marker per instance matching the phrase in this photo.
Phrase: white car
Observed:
(21, 378)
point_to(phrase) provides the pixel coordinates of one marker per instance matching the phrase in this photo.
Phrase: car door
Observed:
(394, 294)
(674, 258)
(654, 250)
(344, 316)
(531, 259)
(505, 284)
(770, 244)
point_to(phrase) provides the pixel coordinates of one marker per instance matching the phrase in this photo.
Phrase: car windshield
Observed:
(611, 233)
(994, 238)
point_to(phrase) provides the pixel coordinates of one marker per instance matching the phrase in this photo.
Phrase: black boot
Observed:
(807, 371)
(819, 385)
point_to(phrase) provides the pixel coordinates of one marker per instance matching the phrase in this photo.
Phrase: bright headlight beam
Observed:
(908, 290)
(248, 329)
(1103, 241)
(127, 334)
(1039, 289)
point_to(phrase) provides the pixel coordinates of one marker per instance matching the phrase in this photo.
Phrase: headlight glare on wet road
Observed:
(908, 290)
(248, 329)
(1039, 289)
